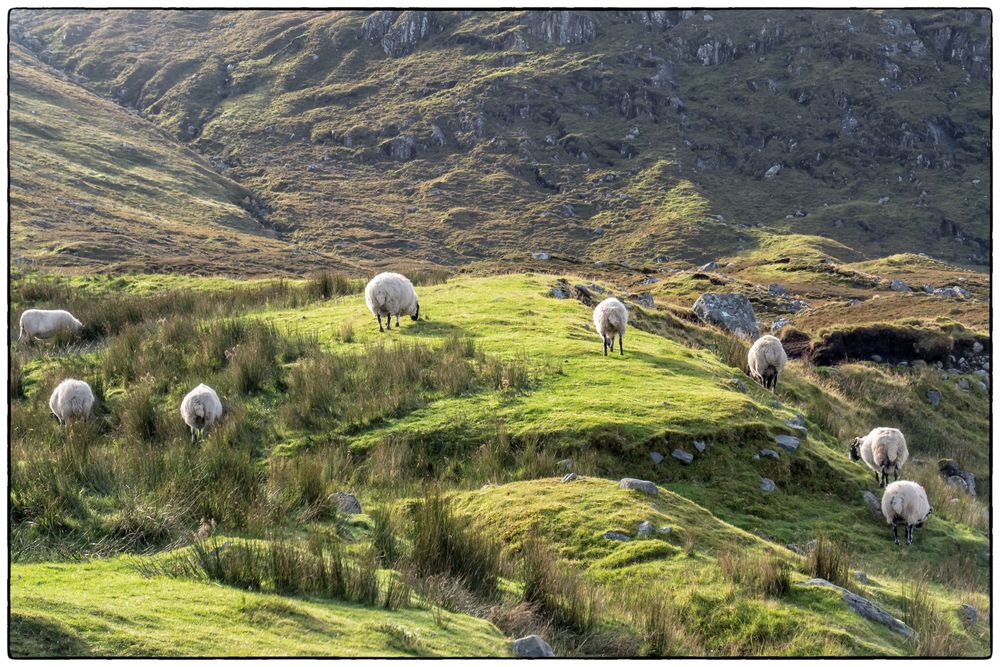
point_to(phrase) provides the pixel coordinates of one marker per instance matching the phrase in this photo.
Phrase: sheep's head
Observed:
(77, 325)
(416, 313)
(855, 452)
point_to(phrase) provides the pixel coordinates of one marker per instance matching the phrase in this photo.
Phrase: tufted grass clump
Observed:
(444, 542)
(560, 591)
(758, 573)
(829, 560)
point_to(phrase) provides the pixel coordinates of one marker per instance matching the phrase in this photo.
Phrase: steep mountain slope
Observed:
(448, 137)
(92, 185)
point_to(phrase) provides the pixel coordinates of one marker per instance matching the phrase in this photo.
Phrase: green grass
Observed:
(107, 608)
(495, 384)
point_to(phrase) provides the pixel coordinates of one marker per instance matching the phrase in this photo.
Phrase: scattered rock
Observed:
(569, 477)
(862, 577)
(559, 293)
(642, 485)
(873, 503)
(533, 646)
(645, 300)
(402, 147)
(682, 456)
(981, 386)
(777, 290)
(797, 422)
(883, 201)
(787, 442)
(977, 347)
(665, 530)
(86, 208)
(645, 528)
(617, 536)
(968, 613)
(767, 485)
(770, 452)
(313, 167)
(795, 549)
(963, 384)
(711, 266)
(958, 482)
(779, 324)
(864, 607)
(773, 171)
(954, 292)
(699, 445)
(739, 384)
(732, 312)
(656, 457)
(565, 464)
(934, 397)
(543, 256)
(876, 358)
(346, 502)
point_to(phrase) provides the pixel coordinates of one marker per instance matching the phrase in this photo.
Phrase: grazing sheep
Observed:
(391, 294)
(71, 399)
(882, 450)
(766, 359)
(610, 318)
(47, 323)
(905, 502)
(200, 409)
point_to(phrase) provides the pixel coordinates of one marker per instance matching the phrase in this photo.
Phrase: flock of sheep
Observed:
(391, 295)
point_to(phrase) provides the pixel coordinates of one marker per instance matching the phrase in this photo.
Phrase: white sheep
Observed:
(766, 360)
(905, 502)
(611, 318)
(391, 294)
(882, 450)
(200, 409)
(37, 323)
(71, 399)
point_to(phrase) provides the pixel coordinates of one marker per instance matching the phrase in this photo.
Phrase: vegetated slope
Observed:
(107, 608)
(499, 385)
(93, 186)
(448, 137)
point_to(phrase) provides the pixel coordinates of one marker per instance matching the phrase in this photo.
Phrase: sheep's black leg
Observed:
(192, 435)
(379, 318)
(397, 321)
(895, 535)
(605, 346)
(909, 534)
(388, 322)
(620, 350)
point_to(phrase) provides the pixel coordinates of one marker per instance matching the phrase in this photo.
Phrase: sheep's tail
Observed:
(76, 405)
(23, 332)
(896, 503)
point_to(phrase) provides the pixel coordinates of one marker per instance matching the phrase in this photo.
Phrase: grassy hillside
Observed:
(482, 400)
(451, 137)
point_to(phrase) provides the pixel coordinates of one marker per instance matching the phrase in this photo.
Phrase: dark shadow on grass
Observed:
(33, 637)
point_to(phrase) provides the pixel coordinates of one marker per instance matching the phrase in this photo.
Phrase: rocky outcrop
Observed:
(562, 27)
(407, 30)
(960, 42)
(377, 25)
(865, 607)
(732, 312)
(399, 148)
(533, 646)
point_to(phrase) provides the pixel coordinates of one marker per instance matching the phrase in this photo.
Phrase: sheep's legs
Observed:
(379, 318)
(397, 321)
(909, 534)
(620, 350)
(895, 535)
(605, 340)
(192, 435)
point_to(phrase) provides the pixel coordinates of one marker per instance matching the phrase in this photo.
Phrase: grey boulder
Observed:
(642, 485)
(533, 646)
(732, 312)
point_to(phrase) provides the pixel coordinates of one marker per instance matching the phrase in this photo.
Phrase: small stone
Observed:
(767, 485)
(565, 464)
(862, 577)
(797, 422)
(645, 528)
(970, 482)
(872, 502)
(617, 536)
(876, 358)
(569, 477)
(777, 290)
(755, 457)
(899, 286)
(642, 485)
(543, 256)
(533, 646)
(699, 445)
(656, 457)
(739, 385)
(665, 530)
(312, 167)
(795, 549)
(780, 324)
(963, 384)
(682, 456)
(346, 502)
(981, 386)
(787, 442)
(968, 613)
(934, 397)
(559, 293)
(977, 347)
(770, 452)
